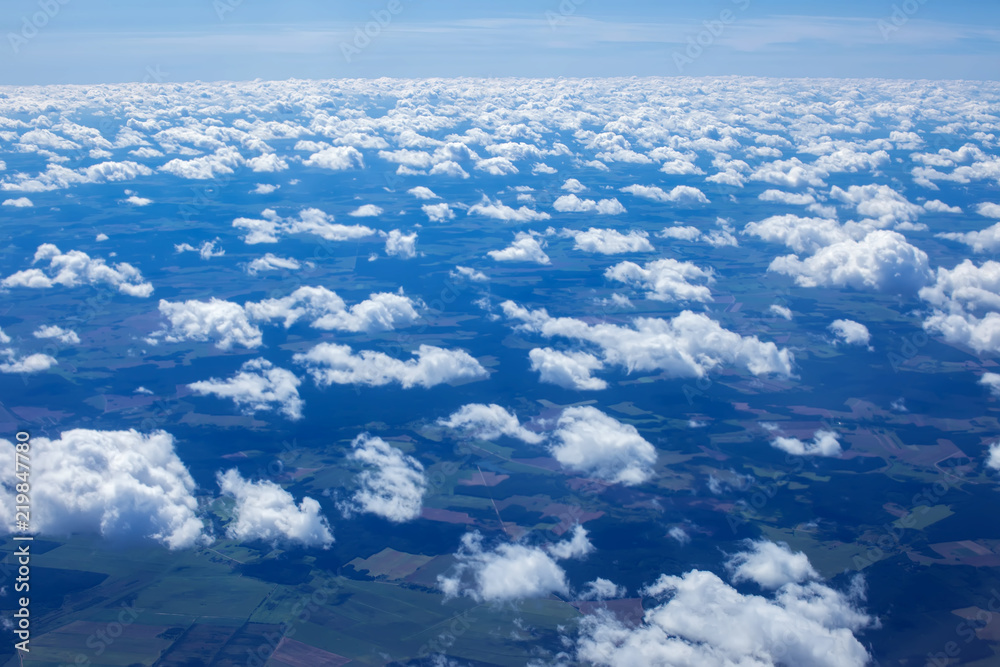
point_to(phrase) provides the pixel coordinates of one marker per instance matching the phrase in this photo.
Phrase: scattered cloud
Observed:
(266, 512)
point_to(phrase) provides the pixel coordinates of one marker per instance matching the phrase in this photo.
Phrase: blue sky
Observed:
(96, 41)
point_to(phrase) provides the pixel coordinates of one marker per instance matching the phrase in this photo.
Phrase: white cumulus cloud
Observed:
(393, 484)
(600, 446)
(265, 511)
(119, 484)
(259, 385)
(329, 363)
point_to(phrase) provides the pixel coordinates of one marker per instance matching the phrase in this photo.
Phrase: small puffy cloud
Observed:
(989, 380)
(508, 572)
(76, 268)
(398, 244)
(681, 194)
(268, 163)
(264, 511)
(33, 363)
(780, 311)
(574, 186)
(259, 386)
(573, 204)
(851, 332)
(221, 163)
(438, 212)
(206, 250)
(57, 176)
(542, 168)
(449, 168)
(601, 589)
(791, 198)
(803, 235)
(983, 240)
(383, 311)
(101, 237)
(600, 446)
(499, 211)
(497, 166)
(571, 370)
(938, 206)
(329, 363)
(223, 322)
(791, 173)
(392, 486)
(688, 345)
(770, 565)
(421, 192)
(489, 422)
(679, 534)
(467, 273)
(135, 200)
(271, 262)
(66, 336)
(966, 300)
(336, 158)
(271, 226)
(882, 260)
(577, 546)
(4, 338)
(665, 279)
(366, 211)
(878, 202)
(609, 241)
(680, 232)
(525, 248)
(20, 202)
(264, 189)
(993, 457)
(807, 625)
(119, 484)
(989, 210)
(824, 443)
(408, 161)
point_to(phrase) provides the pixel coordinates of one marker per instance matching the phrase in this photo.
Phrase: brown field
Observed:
(297, 654)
